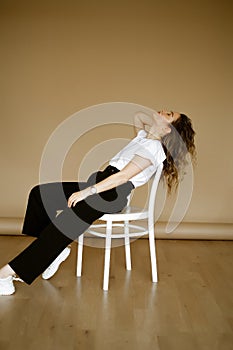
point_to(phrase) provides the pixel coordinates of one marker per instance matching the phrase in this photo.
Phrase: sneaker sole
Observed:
(59, 263)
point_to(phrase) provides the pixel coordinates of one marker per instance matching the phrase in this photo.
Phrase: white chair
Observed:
(112, 220)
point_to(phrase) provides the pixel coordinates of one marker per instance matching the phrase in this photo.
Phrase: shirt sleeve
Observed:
(152, 150)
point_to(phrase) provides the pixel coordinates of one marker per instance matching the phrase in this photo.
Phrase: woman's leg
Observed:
(43, 202)
(71, 223)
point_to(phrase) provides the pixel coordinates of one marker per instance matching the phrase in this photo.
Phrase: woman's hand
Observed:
(76, 197)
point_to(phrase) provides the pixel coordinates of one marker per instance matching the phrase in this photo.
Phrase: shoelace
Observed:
(17, 279)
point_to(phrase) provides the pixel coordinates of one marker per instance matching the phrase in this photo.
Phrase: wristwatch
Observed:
(93, 189)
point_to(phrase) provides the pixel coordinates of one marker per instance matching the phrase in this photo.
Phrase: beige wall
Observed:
(58, 57)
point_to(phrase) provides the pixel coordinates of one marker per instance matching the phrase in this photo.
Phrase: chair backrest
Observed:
(153, 189)
(153, 192)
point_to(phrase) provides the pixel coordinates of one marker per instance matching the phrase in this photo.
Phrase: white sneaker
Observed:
(52, 269)
(7, 286)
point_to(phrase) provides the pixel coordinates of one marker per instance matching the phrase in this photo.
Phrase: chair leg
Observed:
(153, 253)
(127, 246)
(107, 254)
(80, 256)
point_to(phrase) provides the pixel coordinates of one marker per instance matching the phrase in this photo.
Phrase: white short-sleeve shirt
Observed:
(146, 148)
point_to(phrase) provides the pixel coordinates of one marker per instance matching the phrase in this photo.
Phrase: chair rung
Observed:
(139, 233)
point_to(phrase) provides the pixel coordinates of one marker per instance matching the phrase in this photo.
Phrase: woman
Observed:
(161, 137)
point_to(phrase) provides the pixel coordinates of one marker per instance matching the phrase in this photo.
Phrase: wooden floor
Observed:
(191, 307)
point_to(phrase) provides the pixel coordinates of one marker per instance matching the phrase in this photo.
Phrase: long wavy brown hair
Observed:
(179, 148)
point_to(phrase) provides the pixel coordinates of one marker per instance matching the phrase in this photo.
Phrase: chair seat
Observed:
(129, 213)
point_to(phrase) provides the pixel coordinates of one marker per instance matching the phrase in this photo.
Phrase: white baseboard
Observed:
(185, 230)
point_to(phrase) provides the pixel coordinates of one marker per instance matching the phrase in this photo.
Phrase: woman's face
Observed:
(162, 121)
(169, 115)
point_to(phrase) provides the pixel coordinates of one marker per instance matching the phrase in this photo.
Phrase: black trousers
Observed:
(55, 233)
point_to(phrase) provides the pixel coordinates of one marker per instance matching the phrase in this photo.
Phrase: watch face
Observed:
(93, 189)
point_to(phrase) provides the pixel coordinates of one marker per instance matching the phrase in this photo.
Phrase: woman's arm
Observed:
(142, 121)
(151, 124)
(134, 167)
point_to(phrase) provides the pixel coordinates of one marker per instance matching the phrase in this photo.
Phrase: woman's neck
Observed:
(153, 137)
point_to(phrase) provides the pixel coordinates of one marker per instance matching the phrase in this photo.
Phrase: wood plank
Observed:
(190, 308)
